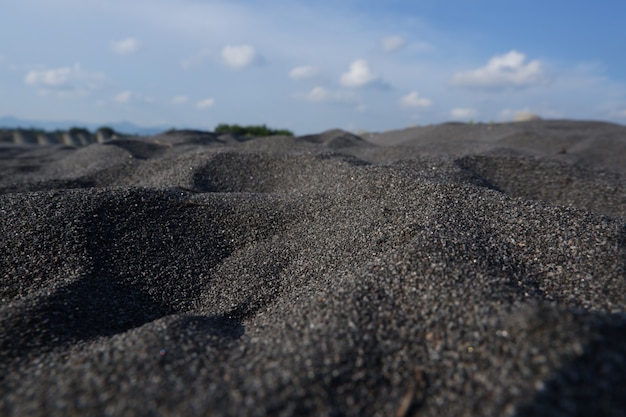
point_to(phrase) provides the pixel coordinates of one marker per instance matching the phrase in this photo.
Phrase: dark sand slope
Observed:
(195, 275)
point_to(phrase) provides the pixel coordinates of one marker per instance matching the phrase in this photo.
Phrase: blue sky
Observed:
(309, 66)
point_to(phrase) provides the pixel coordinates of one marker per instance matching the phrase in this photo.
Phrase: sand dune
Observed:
(445, 270)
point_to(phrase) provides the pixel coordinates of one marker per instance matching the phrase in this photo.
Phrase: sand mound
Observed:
(190, 274)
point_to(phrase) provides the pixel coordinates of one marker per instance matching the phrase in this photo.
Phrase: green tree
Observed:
(79, 131)
(251, 130)
(107, 132)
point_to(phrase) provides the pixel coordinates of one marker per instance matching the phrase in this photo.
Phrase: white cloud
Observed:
(180, 99)
(321, 94)
(240, 56)
(124, 96)
(508, 70)
(463, 113)
(299, 73)
(359, 75)
(392, 43)
(49, 78)
(128, 96)
(125, 46)
(205, 104)
(65, 81)
(413, 99)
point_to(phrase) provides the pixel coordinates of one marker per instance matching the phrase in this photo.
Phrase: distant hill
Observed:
(10, 122)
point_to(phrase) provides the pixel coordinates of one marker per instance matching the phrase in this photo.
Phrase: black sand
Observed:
(463, 271)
